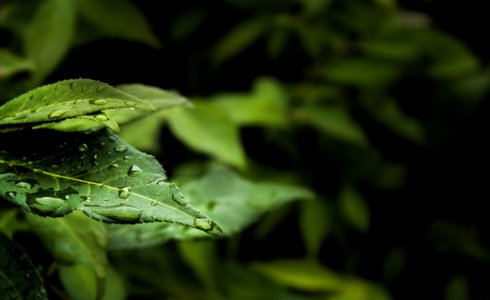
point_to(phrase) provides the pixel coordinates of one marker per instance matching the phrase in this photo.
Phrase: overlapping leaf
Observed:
(66, 99)
(232, 201)
(51, 174)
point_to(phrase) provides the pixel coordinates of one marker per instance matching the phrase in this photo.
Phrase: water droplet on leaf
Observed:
(98, 101)
(83, 148)
(113, 166)
(56, 114)
(101, 118)
(24, 185)
(99, 89)
(204, 224)
(120, 148)
(124, 193)
(179, 199)
(130, 103)
(134, 170)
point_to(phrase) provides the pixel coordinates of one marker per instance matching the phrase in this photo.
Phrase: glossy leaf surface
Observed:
(96, 173)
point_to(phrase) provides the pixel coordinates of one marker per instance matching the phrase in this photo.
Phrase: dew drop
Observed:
(130, 103)
(72, 85)
(134, 170)
(120, 148)
(83, 148)
(57, 114)
(154, 203)
(20, 116)
(99, 89)
(55, 166)
(203, 224)
(124, 193)
(126, 157)
(101, 118)
(98, 101)
(179, 200)
(113, 166)
(112, 138)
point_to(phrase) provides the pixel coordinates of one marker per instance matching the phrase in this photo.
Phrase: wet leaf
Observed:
(66, 99)
(11, 64)
(96, 173)
(18, 277)
(81, 123)
(118, 18)
(49, 35)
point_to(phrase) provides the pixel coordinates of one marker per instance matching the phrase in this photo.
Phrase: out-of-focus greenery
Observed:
(370, 105)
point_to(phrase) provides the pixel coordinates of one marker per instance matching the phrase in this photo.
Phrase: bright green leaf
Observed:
(354, 209)
(356, 289)
(118, 18)
(49, 35)
(332, 120)
(66, 99)
(19, 279)
(96, 173)
(264, 106)
(11, 64)
(209, 129)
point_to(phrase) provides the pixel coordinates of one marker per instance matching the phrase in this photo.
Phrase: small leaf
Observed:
(208, 129)
(18, 277)
(238, 39)
(315, 223)
(332, 120)
(118, 18)
(363, 73)
(354, 209)
(301, 274)
(66, 99)
(96, 173)
(11, 64)
(49, 35)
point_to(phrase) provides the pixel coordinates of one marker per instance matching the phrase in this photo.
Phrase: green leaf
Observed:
(209, 129)
(96, 173)
(115, 286)
(11, 64)
(118, 18)
(235, 202)
(18, 277)
(79, 281)
(66, 99)
(354, 209)
(458, 289)
(81, 123)
(301, 274)
(264, 106)
(232, 201)
(315, 224)
(363, 73)
(238, 39)
(49, 35)
(332, 120)
(78, 242)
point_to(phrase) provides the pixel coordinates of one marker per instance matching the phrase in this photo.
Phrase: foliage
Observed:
(366, 111)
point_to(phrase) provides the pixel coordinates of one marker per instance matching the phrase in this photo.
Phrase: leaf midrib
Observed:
(90, 183)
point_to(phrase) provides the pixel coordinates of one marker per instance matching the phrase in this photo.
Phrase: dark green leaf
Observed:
(238, 39)
(354, 209)
(96, 173)
(118, 18)
(18, 277)
(363, 73)
(315, 223)
(49, 35)
(11, 64)
(66, 99)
